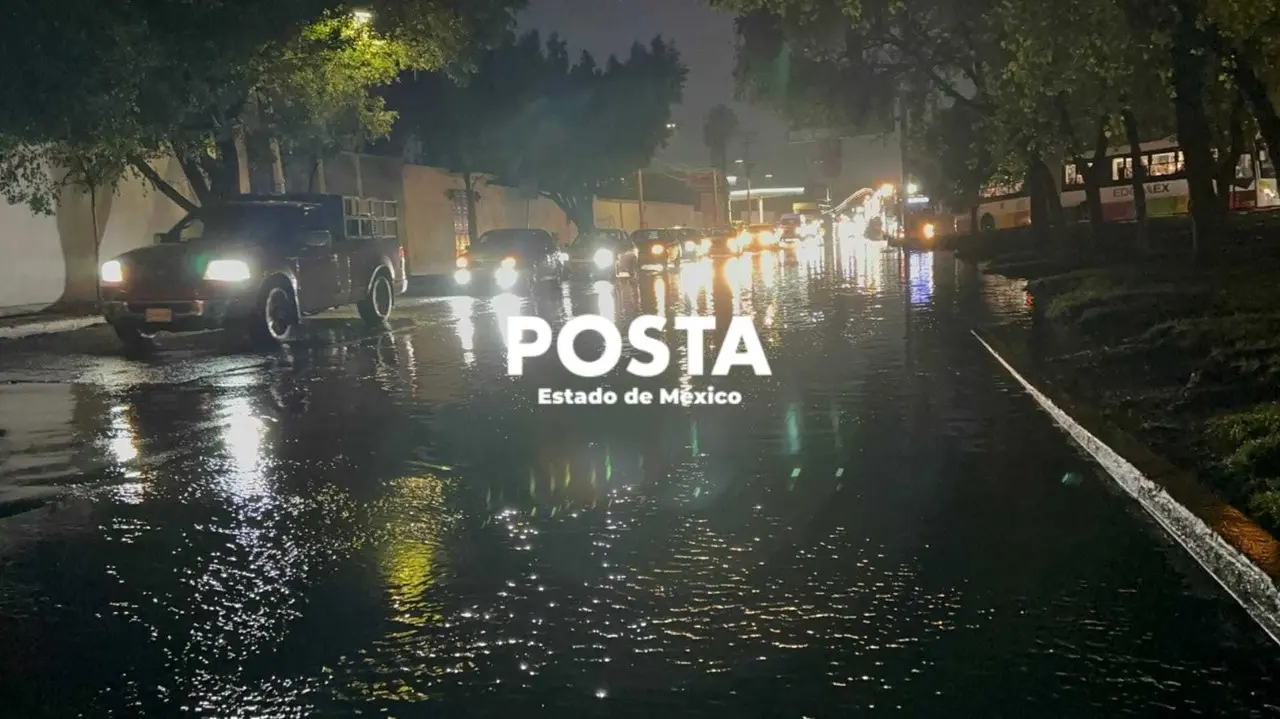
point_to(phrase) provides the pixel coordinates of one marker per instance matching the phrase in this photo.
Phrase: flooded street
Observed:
(391, 524)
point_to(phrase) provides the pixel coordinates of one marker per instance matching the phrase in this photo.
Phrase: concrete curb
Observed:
(1242, 579)
(47, 327)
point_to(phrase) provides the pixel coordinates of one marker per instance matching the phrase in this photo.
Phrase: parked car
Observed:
(604, 253)
(660, 248)
(511, 259)
(260, 265)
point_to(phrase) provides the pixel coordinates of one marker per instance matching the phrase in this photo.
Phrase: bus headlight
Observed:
(603, 258)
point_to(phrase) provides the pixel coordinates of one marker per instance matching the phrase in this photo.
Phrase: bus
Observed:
(1006, 206)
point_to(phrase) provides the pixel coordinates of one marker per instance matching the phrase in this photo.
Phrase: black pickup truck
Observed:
(259, 264)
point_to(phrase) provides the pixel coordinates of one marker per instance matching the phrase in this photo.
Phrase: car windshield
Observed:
(642, 236)
(599, 239)
(229, 222)
(509, 240)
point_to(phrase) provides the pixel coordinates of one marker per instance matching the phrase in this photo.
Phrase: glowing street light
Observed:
(362, 17)
(912, 188)
(885, 190)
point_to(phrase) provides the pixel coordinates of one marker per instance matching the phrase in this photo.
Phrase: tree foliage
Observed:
(530, 115)
(133, 80)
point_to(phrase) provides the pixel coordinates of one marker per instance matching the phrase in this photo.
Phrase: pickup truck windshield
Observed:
(255, 222)
(510, 240)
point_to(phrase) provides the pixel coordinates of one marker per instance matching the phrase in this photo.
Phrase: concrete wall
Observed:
(625, 214)
(49, 259)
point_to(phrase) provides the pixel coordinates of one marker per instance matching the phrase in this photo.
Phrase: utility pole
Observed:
(748, 138)
(640, 196)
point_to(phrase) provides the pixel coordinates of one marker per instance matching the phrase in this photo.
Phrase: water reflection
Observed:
(463, 312)
(122, 442)
(506, 306)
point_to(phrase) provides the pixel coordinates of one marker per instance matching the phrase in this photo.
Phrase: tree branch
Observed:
(168, 190)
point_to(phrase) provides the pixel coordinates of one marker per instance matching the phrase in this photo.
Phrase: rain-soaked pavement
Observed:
(390, 523)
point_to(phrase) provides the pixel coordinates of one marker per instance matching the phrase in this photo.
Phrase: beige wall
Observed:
(625, 214)
(53, 259)
(48, 259)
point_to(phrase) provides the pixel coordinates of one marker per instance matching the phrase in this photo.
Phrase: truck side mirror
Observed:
(318, 238)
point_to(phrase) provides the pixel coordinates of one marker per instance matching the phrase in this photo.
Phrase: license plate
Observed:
(159, 314)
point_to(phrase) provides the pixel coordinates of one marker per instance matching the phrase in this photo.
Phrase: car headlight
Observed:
(462, 277)
(462, 263)
(509, 263)
(227, 271)
(655, 250)
(929, 230)
(112, 272)
(603, 258)
(688, 245)
(506, 277)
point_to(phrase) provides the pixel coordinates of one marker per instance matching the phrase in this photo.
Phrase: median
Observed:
(1184, 355)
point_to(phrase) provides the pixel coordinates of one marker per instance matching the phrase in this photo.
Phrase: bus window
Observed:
(1073, 176)
(1165, 163)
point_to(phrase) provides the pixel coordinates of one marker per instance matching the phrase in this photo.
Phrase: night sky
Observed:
(705, 39)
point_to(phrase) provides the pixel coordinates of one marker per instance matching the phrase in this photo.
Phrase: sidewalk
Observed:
(45, 323)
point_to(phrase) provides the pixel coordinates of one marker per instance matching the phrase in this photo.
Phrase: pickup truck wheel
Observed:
(376, 308)
(273, 317)
(134, 337)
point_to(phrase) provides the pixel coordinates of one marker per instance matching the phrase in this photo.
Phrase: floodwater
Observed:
(391, 524)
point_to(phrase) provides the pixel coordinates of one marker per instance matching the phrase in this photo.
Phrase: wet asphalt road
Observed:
(389, 523)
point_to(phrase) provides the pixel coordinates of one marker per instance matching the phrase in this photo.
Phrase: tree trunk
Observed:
(1231, 159)
(581, 214)
(1252, 88)
(973, 217)
(473, 222)
(224, 181)
(1189, 67)
(277, 169)
(1093, 184)
(1137, 178)
(1038, 204)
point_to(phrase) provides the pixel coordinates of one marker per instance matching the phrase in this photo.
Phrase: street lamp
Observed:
(362, 17)
(885, 190)
(912, 188)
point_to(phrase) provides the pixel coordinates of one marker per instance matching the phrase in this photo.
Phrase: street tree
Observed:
(718, 132)
(582, 127)
(205, 83)
(462, 118)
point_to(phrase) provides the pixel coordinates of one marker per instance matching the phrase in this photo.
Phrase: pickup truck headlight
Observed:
(603, 258)
(227, 271)
(112, 272)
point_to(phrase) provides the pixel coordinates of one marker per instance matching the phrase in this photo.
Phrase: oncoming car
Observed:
(259, 265)
(604, 253)
(694, 243)
(510, 259)
(757, 238)
(657, 248)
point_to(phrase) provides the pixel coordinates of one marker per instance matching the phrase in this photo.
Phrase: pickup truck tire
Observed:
(376, 307)
(134, 337)
(274, 315)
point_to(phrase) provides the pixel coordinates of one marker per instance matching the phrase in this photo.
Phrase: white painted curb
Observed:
(1243, 580)
(48, 327)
